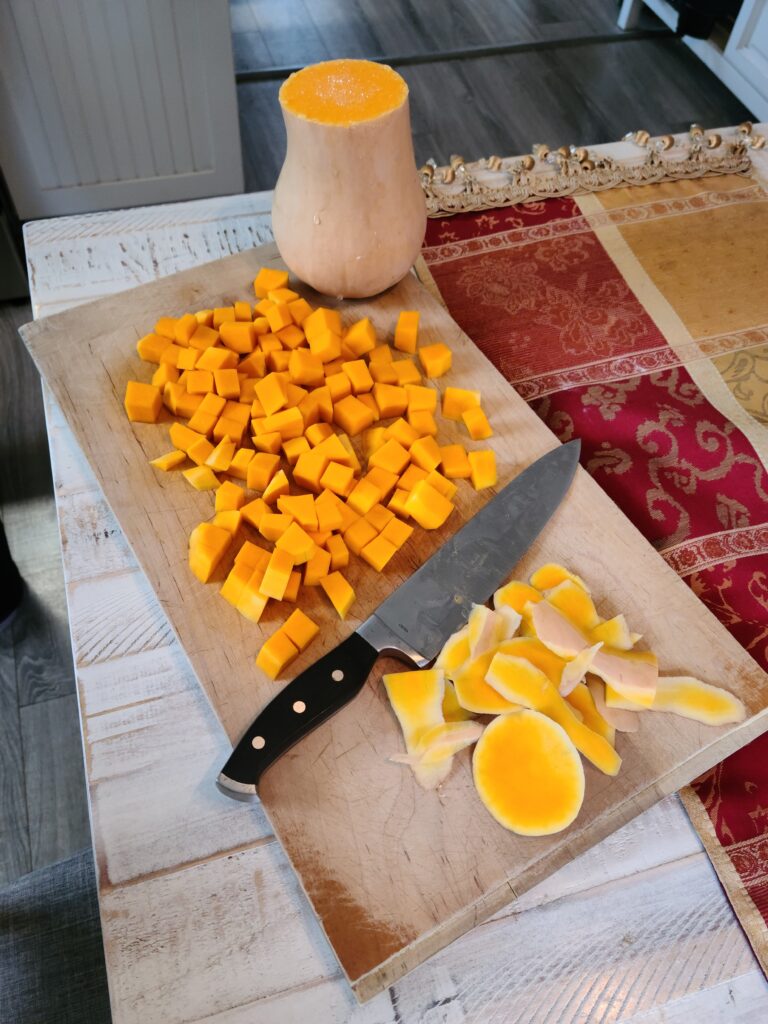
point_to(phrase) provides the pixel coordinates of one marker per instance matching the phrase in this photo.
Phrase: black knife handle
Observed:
(305, 702)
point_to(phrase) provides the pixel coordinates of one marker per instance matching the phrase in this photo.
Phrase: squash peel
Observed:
(417, 701)
(688, 697)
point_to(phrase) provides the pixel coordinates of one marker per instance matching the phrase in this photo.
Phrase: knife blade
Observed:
(415, 621)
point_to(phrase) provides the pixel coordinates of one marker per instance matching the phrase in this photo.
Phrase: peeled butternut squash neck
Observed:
(343, 92)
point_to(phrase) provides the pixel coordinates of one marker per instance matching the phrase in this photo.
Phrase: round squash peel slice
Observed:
(528, 774)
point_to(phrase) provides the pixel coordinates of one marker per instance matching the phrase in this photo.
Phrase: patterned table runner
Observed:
(637, 320)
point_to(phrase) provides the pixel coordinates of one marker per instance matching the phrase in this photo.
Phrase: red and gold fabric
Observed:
(637, 320)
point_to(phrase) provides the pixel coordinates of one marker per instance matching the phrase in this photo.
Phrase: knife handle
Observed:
(302, 705)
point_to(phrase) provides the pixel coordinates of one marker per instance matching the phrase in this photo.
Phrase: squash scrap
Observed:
(486, 629)
(417, 701)
(441, 742)
(580, 698)
(574, 670)
(452, 710)
(575, 603)
(551, 575)
(528, 774)
(454, 653)
(615, 633)
(622, 721)
(688, 697)
(474, 693)
(516, 679)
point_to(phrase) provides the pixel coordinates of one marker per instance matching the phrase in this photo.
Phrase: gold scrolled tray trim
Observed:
(462, 187)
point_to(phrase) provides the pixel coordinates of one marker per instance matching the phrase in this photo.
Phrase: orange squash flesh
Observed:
(528, 774)
(343, 92)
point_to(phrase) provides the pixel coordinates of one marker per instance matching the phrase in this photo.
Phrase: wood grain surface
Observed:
(393, 873)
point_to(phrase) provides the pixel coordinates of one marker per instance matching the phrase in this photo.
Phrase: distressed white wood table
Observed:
(203, 918)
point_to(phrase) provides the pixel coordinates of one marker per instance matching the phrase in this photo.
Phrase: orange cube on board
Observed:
(223, 315)
(435, 359)
(391, 399)
(200, 451)
(143, 402)
(300, 629)
(229, 497)
(204, 337)
(378, 552)
(202, 478)
(455, 462)
(261, 469)
(317, 567)
(277, 574)
(322, 319)
(339, 593)
(392, 456)
(184, 328)
(352, 415)
(406, 372)
(406, 331)
(238, 336)
(358, 535)
(243, 311)
(476, 422)
(269, 279)
(428, 506)
(425, 453)
(171, 460)
(483, 469)
(361, 337)
(441, 483)
(457, 400)
(338, 551)
(273, 525)
(152, 346)
(326, 346)
(252, 512)
(297, 543)
(301, 507)
(276, 652)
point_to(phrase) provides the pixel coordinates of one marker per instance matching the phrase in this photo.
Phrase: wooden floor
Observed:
(556, 91)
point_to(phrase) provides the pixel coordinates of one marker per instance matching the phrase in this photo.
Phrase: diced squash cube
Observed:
(325, 346)
(300, 310)
(320, 537)
(328, 513)
(220, 458)
(370, 401)
(352, 415)
(269, 279)
(184, 328)
(269, 343)
(378, 552)
(278, 316)
(398, 502)
(309, 469)
(228, 426)
(204, 316)
(247, 388)
(441, 483)
(292, 590)
(380, 354)
(166, 327)
(361, 337)
(152, 346)
(238, 336)
(297, 543)
(411, 477)
(397, 532)
(293, 392)
(252, 602)
(186, 360)
(423, 422)
(205, 337)
(168, 461)
(354, 462)
(436, 359)
(317, 567)
(378, 517)
(163, 374)
(457, 400)
(243, 311)
(143, 402)
(455, 463)
(359, 376)
(427, 506)
(339, 593)
(216, 358)
(254, 364)
(223, 315)
(373, 439)
(407, 331)
(391, 399)
(254, 510)
(383, 373)
(276, 487)
(391, 456)
(261, 469)
(421, 398)
(293, 448)
(228, 519)
(273, 525)
(182, 437)
(358, 535)
(316, 433)
(406, 372)
(291, 337)
(200, 451)
(262, 306)
(402, 432)
(276, 652)
(425, 453)
(282, 295)
(338, 551)
(268, 442)
(238, 467)
(207, 414)
(251, 554)
(477, 424)
(227, 384)
(483, 467)
(363, 497)
(232, 588)
(383, 480)
(300, 629)
(207, 546)
(288, 423)
(337, 478)
(322, 319)
(333, 448)
(229, 497)
(306, 368)
(339, 386)
(277, 574)
(301, 507)
(202, 478)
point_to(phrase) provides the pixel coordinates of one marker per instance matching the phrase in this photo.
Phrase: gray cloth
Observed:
(51, 956)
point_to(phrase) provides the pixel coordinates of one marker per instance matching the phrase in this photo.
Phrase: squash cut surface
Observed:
(528, 774)
(343, 92)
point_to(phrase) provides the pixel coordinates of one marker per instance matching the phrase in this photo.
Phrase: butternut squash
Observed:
(348, 126)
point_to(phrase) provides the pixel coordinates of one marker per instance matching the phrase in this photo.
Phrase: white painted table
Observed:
(203, 918)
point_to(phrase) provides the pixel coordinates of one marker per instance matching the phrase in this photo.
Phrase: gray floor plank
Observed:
(15, 859)
(54, 780)
(585, 94)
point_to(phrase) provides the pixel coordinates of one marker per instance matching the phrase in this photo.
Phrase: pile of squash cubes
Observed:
(272, 396)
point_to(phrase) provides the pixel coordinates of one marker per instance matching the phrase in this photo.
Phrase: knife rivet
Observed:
(337, 675)
(258, 742)
(299, 706)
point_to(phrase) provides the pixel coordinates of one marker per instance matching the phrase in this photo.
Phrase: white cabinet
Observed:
(739, 59)
(114, 103)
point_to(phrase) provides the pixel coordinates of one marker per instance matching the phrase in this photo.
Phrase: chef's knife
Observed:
(416, 620)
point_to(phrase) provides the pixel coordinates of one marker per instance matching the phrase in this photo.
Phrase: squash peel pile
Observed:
(560, 682)
(328, 436)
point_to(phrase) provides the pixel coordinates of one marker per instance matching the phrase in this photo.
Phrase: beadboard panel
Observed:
(112, 103)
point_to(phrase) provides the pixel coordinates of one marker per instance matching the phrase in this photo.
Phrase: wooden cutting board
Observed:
(393, 873)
